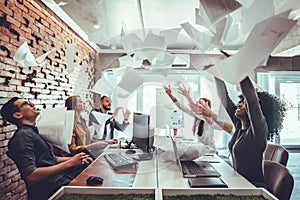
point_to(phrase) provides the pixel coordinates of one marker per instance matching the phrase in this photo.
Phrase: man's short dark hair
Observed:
(103, 97)
(8, 109)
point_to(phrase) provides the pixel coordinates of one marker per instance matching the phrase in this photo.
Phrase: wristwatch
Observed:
(126, 121)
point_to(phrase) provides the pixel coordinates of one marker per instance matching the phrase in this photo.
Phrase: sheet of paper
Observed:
(101, 119)
(127, 61)
(262, 9)
(131, 42)
(25, 58)
(216, 9)
(164, 59)
(202, 19)
(262, 40)
(161, 71)
(41, 58)
(103, 87)
(131, 81)
(170, 35)
(245, 3)
(70, 56)
(201, 39)
(56, 126)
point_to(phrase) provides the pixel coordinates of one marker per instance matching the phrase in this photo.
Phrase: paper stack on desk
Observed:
(56, 126)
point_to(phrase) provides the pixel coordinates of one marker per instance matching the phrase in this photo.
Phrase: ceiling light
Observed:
(96, 26)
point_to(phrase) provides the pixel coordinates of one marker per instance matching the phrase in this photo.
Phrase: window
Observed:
(285, 85)
(145, 98)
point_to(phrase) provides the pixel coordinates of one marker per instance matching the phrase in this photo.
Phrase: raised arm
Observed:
(225, 99)
(186, 93)
(257, 119)
(204, 110)
(177, 103)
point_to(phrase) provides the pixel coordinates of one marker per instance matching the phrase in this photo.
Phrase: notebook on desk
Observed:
(191, 169)
(207, 182)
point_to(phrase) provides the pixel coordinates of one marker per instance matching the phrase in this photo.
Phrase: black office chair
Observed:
(276, 153)
(278, 179)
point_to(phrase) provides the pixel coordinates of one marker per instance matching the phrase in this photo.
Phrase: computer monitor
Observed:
(141, 136)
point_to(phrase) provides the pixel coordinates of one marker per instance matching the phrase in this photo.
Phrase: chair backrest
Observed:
(276, 153)
(278, 179)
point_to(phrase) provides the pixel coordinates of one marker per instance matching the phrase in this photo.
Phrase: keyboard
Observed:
(193, 168)
(120, 160)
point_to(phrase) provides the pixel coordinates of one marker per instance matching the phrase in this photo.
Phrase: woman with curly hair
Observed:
(257, 117)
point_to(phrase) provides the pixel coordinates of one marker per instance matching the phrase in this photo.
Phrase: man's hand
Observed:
(80, 159)
(126, 114)
(115, 112)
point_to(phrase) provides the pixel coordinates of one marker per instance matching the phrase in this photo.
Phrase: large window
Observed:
(146, 98)
(285, 85)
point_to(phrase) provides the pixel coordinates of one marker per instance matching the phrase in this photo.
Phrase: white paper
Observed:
(262, 9)
(127, 61)
(216, 9)
(41, 58)
(56, 126)
(131, 81)
(70, 56)
(25, 58)
(131, 42)
(161, 71)
(263, 39)
(245, 3)
(103, 87)
(170, 35)
(201, 39)
(101, 119)
(164, 59)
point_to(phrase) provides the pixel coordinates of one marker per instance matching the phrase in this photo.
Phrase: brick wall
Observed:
(48, 85)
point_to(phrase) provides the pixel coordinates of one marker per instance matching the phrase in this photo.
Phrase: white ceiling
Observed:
(142, 16)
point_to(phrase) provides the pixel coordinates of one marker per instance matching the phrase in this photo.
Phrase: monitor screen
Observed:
(142, 137)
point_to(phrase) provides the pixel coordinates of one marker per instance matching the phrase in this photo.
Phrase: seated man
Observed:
(111, 123)
(42, 172)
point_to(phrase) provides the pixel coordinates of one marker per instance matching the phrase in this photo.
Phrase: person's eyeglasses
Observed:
(24, 104)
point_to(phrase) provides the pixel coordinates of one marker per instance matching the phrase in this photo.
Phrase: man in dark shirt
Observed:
(111, 123)
(41, 170)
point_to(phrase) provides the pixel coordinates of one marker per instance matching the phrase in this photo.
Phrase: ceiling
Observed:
(116, 18)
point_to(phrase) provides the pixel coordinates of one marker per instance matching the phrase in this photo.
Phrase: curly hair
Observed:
(274, 110)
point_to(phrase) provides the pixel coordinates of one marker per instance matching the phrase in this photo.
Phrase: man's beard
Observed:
(106, 108)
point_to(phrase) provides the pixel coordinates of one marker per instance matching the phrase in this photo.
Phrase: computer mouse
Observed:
(94, 180)
(130, 151)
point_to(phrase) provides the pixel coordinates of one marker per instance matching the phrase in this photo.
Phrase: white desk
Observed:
(154, 173)
(170, 176)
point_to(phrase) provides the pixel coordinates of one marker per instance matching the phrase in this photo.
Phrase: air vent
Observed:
(181, 61)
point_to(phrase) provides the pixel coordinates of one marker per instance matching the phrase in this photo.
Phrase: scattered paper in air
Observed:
(131, 81)
(70, 57)
(103, 87)
(262, 40)
(25, 58)
(56, 126)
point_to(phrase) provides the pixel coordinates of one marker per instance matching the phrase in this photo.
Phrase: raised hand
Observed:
(126, 114)
(182, 90)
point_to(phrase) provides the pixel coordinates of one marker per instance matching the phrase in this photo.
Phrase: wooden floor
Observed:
(294, 167)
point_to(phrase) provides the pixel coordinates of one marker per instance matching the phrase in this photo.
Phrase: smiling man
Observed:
(41, 170)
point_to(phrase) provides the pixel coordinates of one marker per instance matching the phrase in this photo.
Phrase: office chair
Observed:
(278, 179)
(276, 153)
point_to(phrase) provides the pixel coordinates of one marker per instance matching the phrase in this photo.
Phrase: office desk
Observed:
(170, 176)
(154, 173)
(144, 176)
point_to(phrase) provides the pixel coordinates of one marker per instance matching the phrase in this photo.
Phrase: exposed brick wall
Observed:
(47, 86)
